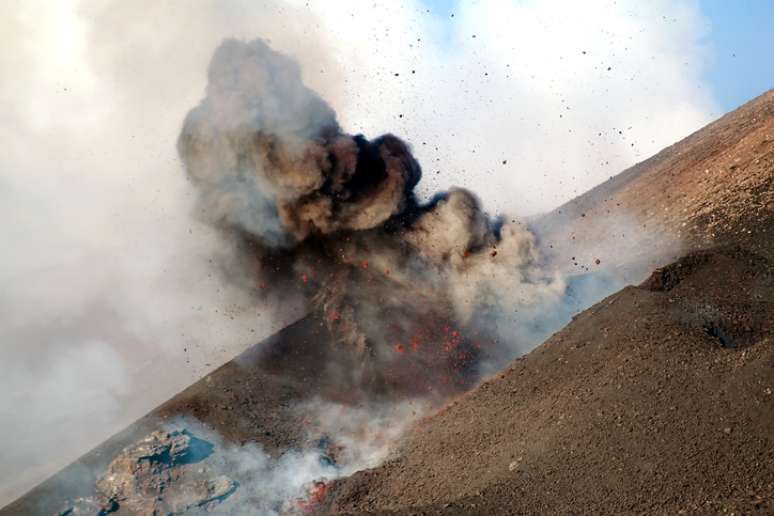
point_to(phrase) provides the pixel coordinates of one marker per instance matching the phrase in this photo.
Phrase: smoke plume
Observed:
(107, 281)
(414, 294)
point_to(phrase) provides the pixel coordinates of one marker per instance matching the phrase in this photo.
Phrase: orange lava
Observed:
(319, 492)
(316, 494)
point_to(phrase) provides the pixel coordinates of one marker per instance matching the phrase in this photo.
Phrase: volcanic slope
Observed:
(713, 187)
(246, 400)
(658, 399)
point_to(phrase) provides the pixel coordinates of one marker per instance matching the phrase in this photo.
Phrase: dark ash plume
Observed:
(415, 295)
(270, 158)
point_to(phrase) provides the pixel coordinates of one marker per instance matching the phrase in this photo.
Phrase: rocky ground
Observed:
(658, 399)
(164, 473)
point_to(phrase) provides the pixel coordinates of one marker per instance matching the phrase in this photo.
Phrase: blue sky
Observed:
(740, 44)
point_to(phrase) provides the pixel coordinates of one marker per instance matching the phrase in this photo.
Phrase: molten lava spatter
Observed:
(334, 217)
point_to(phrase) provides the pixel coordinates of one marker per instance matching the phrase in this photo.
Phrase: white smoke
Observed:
(188, 468)
(549, 97)
(107, 279)
(341, 439)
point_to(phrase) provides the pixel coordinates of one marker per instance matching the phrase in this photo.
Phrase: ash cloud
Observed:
(269, 157)
(416, 295)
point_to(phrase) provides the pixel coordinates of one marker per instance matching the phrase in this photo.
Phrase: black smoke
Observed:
(417, 296)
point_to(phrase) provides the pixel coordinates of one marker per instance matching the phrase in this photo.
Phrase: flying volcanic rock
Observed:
(415, 294)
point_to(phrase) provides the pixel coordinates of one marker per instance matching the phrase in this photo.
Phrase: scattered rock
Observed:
(157, 475)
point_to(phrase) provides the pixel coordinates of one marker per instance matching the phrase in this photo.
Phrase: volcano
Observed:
(659, 398)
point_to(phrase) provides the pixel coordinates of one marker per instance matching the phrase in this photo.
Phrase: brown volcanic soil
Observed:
(658, 399)
(640, 404)
(245, 399)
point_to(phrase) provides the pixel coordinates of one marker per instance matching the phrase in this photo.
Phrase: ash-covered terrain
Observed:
(658, 398)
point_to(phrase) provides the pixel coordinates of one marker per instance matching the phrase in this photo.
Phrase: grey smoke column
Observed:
(270, 157)
(415, 295)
